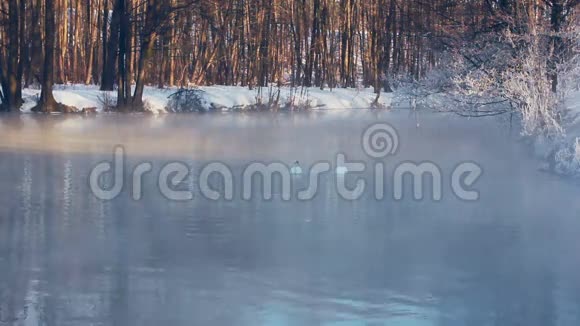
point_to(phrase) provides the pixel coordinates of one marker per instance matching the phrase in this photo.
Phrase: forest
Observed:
(123, 45)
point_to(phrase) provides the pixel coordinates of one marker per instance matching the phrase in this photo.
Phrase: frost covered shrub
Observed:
(266, 101)
(528, 89)
(577, 150)
(186, 100)
(149, 106)
(107, 101)
(567, 159)
(298, 99)
(570, 69)
(453, 87)
(517, 75)
(501, 73)
(421, 93)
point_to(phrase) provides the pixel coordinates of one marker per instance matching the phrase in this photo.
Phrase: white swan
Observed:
(341, 170)
(296, 169)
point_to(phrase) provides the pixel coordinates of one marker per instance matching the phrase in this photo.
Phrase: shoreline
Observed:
(219, 98)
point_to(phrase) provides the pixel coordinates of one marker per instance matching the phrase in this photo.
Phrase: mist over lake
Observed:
(69, 258)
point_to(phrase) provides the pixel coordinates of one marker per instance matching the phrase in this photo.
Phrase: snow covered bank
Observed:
(218, 97)
(563, 155)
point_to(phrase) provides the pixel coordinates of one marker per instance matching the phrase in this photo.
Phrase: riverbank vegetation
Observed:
(492, 56)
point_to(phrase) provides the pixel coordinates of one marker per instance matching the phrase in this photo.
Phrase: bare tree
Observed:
(47, 103)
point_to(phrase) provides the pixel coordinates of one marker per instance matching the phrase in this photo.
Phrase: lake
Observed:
(68, 258)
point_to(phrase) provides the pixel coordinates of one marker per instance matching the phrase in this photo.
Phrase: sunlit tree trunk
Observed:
(47, 102)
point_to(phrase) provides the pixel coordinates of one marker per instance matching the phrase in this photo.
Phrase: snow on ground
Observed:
(225, 97)
(573, 104)
(571, 153)
(71, 95)
(563, 155)
(232, 96)
(81, 96)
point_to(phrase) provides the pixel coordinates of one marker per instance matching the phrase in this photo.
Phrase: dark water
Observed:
(67, 258)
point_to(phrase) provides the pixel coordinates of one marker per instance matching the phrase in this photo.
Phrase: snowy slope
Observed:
(225, 97)
(565, 154)
(573, 104)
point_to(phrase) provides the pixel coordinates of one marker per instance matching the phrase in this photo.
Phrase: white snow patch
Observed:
(565, 153)
(573, 104)
(227, 97)
(235, 96)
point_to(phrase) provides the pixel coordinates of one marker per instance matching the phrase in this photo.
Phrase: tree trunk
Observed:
(557, 44)
(122, 64)
(144, 55)
(47, 103)
(112, 46)
(11, 76)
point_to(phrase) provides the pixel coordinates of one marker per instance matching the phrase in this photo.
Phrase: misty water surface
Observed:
(67, 258)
